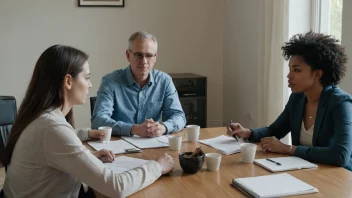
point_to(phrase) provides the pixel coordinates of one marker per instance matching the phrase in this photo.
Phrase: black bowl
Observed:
(191, 164)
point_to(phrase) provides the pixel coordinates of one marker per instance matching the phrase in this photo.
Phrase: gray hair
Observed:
(142, 35)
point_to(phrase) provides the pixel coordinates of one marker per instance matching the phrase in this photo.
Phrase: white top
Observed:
(83, 134)
(306, 136)
(49, 160)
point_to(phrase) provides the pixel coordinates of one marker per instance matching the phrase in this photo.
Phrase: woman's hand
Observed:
(96, 134)
(238, 130)
(272, 144)
(166, 162)
(105, 155)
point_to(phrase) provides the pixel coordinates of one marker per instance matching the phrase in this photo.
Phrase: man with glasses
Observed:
(132, 100)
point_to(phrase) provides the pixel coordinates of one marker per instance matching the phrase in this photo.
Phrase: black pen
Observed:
(234, 135)
(277, 163)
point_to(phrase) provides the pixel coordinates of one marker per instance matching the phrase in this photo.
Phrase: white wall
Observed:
(190, 35)
(222, 40)
(243, 42)
(244, 55)
(346, 40)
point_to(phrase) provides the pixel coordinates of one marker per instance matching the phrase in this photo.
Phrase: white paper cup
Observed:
(248, 151)
(192, 132)
(107, 133)
(175, 142)
(213, 161)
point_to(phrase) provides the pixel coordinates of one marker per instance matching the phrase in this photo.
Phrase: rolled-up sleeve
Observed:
(175, 119)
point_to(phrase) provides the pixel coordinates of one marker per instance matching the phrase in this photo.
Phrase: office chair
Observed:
(92, 104)
(8, 112)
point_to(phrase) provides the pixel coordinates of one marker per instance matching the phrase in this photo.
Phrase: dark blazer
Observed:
(332, 136)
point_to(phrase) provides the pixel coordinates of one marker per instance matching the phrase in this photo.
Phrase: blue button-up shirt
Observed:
(121, 102)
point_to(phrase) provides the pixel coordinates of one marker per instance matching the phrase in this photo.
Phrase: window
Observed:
(327, 17)
(335, 22)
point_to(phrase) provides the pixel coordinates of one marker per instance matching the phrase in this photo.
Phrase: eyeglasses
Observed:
(140, 55)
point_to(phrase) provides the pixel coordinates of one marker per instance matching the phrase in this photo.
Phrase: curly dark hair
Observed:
(319, 51)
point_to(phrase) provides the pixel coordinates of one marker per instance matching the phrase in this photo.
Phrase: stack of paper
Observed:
(279, 185)
(143, 143)
(123, 163)
(118, 146)
(224, 144)
(286, 163)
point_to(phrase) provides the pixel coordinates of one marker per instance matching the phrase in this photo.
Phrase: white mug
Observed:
(213, 161)
(107, 134)
(248, 152)
(192, 132)
(175, 142)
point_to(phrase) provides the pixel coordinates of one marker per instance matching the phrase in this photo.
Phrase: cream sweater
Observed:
(49, 160)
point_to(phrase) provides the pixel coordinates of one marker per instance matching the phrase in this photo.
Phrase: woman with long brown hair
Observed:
(44, 156)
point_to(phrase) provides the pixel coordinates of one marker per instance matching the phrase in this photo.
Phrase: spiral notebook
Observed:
(286, 163)
(277, 185)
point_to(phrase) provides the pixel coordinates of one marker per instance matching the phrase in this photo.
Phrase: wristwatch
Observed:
(289, 149)
(165, 128)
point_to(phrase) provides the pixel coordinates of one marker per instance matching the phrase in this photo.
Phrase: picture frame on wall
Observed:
(101, 3)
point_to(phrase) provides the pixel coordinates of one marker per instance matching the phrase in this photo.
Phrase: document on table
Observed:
(278, 185)
(225, 144)
(117, 146)
(143, 143)
(286, 164)
(124, 163)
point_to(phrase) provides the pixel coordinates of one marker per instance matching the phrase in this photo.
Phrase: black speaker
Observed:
(192, 91)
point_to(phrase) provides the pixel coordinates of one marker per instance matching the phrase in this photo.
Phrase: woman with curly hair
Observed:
(318, 113)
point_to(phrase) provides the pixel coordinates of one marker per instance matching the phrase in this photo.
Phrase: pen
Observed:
(234, 135)
(277, 163)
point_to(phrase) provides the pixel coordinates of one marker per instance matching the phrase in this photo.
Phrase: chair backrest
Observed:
(8, 112)
(92, 104)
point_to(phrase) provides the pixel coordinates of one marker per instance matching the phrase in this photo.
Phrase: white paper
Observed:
(277, 185)
(287, 163)
(225, 144)
(117, 146)
(144, 143)
(124, 163)
(164, 139)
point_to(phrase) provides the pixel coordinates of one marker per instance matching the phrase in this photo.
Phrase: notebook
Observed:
(286, 164)
(224, 144)
(124, 163)
(117, 146)
(143, 143)
(278, 185)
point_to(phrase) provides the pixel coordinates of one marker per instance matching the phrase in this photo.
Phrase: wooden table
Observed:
(330, 180)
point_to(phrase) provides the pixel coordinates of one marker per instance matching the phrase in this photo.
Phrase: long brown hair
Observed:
(45, 90)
